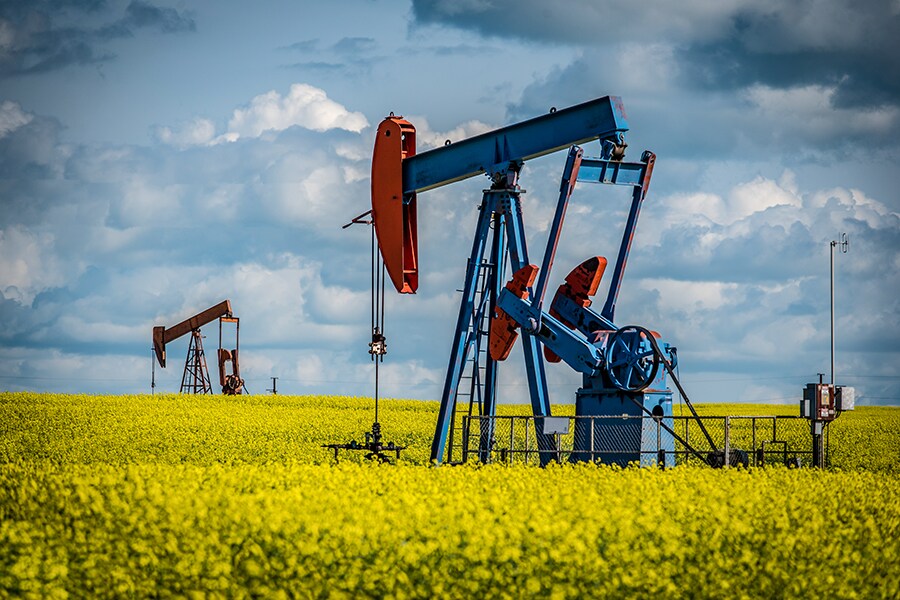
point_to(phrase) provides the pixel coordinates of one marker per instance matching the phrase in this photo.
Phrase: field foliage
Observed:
(173, 496)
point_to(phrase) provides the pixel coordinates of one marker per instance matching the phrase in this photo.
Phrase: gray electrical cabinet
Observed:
(845, 398)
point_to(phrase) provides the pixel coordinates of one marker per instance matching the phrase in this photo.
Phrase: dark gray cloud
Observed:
(46, 35)
(354, 45)
(802, 124)
(731, 45)
(145, 15)
(855, 49)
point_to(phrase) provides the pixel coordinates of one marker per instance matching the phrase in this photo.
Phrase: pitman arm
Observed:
(569, 345)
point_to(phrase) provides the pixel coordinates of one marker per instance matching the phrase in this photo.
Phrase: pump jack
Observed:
(196, 376)
(618, 363)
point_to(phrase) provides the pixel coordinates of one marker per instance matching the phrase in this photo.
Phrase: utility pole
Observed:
(274, 388)
(844, 244)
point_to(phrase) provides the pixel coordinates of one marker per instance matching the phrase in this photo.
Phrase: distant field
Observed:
(233, 496)
(176, 428)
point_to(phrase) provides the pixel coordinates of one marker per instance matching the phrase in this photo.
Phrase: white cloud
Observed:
(145, 202)
(809, 111)
(756, 196)
(872, 212)
(426, 138)
(645, 68)
(29, 263)
(197, 132)
(83, 330)
(690, 296)
(727, 276)
(12, 117)
(343, 371)
(282, 300)
(306, 193)
(304, 105)
(747, 207)
(50, 369)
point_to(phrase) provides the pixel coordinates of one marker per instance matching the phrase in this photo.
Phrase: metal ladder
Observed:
(469, 394)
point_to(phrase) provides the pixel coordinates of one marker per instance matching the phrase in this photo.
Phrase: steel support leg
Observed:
(534, 360)
(463, 325)
(503, 208)
(637, 198)
(489, 408)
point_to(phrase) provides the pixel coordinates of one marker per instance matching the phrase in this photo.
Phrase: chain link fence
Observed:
(645, 440)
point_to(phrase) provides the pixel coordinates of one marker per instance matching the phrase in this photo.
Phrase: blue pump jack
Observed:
(620, 365)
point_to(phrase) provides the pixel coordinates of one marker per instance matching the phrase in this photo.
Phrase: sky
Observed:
(157, 157)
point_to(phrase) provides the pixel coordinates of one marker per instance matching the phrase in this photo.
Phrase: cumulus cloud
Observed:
(763, 230)
(29, 263)
(144, 203)
(312, 370)
(427, 138)
(304, 105)
(751, 290)
(106, 241)
(738, 280)
(733, 275)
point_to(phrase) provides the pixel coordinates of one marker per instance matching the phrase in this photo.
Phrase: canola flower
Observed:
(193, 497)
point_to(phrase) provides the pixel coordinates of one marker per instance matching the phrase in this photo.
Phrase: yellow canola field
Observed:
(174, 496)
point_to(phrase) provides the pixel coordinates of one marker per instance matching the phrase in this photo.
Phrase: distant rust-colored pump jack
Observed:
(196, 375)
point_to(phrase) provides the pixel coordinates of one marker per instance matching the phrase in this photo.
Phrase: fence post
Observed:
(467, 422)
(727, 442)
(534, 425)
(512, 426)
(660, 453)
(753, 423)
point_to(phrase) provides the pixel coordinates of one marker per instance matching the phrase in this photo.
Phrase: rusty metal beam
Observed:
(162, 335)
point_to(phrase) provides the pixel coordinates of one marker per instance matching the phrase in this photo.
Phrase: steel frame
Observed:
(500, 207)
(501, 227)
